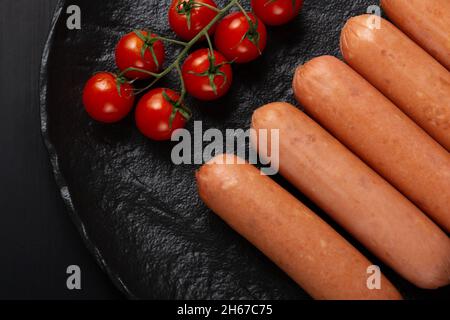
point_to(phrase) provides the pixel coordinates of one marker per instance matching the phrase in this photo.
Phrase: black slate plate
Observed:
(140, 215)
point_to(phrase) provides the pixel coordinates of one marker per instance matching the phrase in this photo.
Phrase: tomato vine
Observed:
(187, 46)
(205, 74)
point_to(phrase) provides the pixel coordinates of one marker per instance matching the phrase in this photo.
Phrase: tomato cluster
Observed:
(206, 74)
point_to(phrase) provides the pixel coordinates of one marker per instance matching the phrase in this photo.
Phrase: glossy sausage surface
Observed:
(427, 22)
(292, 236)
(362, 202)
(402, 71)
(372, 127)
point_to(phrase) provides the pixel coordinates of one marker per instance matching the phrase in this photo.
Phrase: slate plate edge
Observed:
(59, 177)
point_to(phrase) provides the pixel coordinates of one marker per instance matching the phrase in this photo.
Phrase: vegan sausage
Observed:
(427, 22)
(378, 132)
(298, 241)
(402, 71)
(354, 195)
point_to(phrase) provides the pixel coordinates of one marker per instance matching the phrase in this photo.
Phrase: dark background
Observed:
(37, 238)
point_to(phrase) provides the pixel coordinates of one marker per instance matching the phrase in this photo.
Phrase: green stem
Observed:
(189, 45)
(208, 39)
(244, 12)
(183, 85)
(122, 74)
(181, 43)
(201, 4)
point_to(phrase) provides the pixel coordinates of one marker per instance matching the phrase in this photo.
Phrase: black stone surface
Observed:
(37, 239)
(139, 214)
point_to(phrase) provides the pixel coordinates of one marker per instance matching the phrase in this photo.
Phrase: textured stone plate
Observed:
(140, 215)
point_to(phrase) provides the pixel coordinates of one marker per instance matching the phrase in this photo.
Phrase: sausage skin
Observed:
(292, 236)
(402, 71)
(362, 202)
(427, 22)
(378, 132)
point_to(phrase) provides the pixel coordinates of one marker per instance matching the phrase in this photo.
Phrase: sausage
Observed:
(298, 241)
(378, 132)
(427, 22)
(402, 71)
(362, 202)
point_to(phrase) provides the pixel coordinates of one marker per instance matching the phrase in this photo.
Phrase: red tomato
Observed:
(101, 98)
(139, 50)
(241, 41)
(207, 76)
(276, 12)
(188, 17)
(154, 112)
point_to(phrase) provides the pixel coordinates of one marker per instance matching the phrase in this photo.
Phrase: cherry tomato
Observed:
(188, 17)
(158, 116)
(276, 12)
(241, 41)
(140, 50)
(101, 98)
(207, 76)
